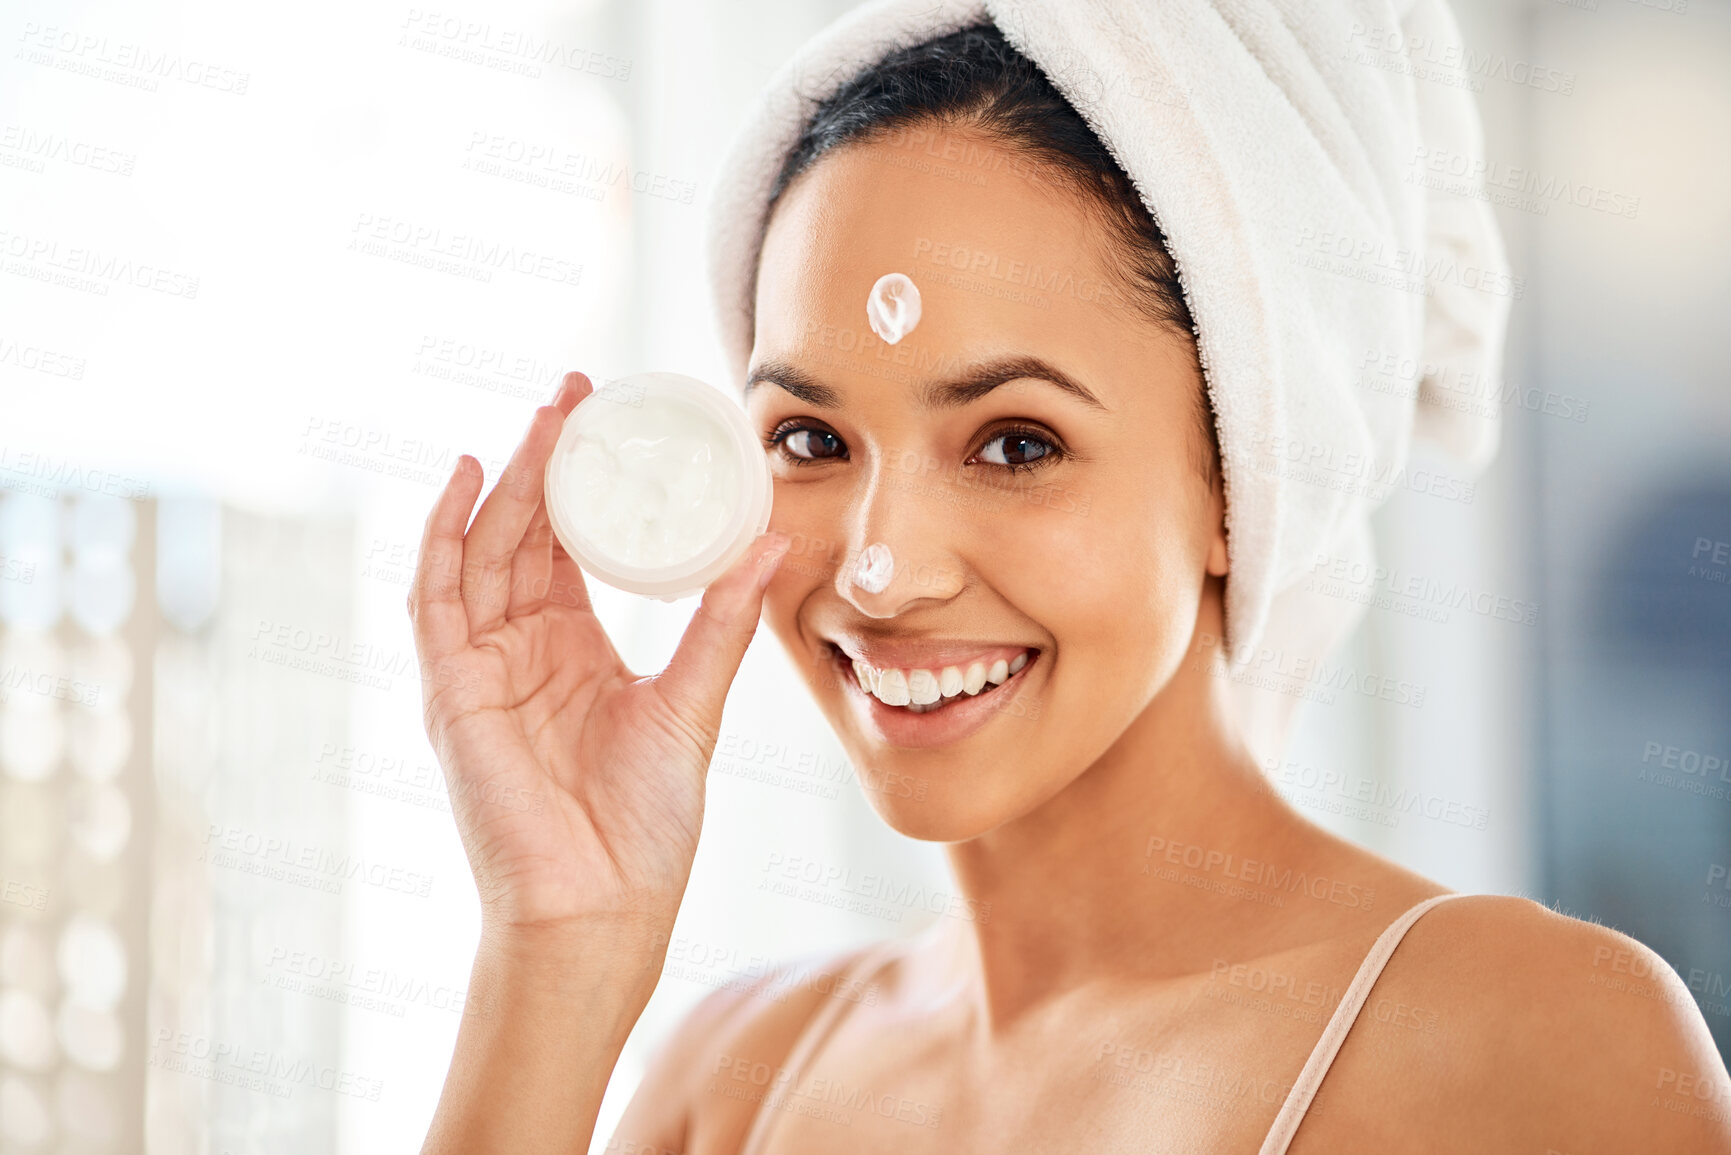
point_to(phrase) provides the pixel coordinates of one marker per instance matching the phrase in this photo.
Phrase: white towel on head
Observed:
(1340, 306)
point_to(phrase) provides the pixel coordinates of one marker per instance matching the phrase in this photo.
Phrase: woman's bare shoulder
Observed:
(704, 1083)
(1513, 1020)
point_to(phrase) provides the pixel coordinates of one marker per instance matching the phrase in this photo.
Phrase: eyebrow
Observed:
(974, 384)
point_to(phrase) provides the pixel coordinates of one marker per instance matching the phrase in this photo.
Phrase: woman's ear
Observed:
(1218, 565)
(1219, 560)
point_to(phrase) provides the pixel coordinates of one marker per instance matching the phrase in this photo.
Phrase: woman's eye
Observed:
(1014, 449)
(803, 443)
(1017, 449)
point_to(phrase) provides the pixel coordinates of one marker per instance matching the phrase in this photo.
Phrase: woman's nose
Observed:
(899, 550)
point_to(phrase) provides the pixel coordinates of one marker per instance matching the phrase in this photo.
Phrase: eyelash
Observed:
(1054, 453)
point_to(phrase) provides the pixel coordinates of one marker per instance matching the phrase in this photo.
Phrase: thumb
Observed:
(696, 681)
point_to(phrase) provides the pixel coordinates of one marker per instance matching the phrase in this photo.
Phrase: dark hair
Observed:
(975, 78)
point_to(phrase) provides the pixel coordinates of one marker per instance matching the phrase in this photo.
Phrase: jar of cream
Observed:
(657, 484)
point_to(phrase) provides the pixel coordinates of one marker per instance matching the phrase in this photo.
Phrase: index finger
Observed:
(441, 624)
(498, 531)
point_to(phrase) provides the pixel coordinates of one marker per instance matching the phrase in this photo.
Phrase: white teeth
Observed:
(923, 687)
(892, 688)
(975, 681)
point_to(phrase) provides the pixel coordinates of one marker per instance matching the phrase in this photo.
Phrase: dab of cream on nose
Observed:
(872, 571)
(893, 307)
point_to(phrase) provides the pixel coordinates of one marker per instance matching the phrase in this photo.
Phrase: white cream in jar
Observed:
(657, 484)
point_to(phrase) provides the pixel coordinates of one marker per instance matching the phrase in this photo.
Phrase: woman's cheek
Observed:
(1130, 588)
(812, 515)
(809, 564)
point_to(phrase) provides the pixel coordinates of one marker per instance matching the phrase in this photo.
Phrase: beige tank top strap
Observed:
(811, 1039)
(1310, 1078)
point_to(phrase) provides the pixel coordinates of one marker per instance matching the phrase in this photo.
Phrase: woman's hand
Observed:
(577, 785)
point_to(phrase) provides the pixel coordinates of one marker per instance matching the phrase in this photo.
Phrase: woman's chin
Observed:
(939, 775)
(936, 817)
(948, 800)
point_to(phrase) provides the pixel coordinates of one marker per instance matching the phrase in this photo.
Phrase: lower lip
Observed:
(958, 720)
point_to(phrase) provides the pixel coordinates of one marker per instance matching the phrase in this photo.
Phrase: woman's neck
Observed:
(1168, 853)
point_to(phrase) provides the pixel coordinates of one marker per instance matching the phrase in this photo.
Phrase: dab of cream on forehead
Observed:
(893, 307)
(874, 568)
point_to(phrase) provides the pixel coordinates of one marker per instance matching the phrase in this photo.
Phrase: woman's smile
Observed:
(951, 696)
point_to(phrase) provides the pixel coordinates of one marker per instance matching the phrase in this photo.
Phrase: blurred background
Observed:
(254, 306)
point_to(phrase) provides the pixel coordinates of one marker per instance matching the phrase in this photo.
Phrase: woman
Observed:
(1173, 957)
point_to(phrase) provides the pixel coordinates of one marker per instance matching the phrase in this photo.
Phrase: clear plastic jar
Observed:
(657, 484)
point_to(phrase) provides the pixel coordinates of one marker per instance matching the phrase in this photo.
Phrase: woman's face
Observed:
(1019, 515)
